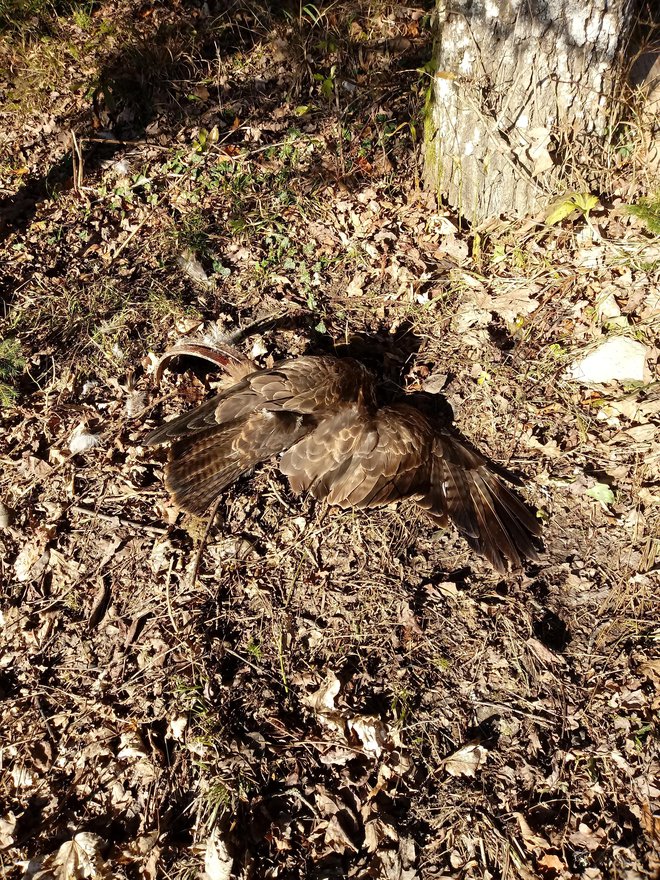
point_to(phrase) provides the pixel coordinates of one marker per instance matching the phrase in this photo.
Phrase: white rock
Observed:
(607, 306)
(619, 359)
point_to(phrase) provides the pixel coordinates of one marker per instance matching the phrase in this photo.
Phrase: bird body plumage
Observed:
(320, 415)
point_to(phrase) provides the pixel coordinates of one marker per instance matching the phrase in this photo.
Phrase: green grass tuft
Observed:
(648, 211)
(12, 364)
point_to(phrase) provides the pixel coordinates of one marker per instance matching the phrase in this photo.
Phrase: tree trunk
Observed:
(521, 93)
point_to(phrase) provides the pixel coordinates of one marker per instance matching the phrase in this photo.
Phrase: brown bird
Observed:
(320, 415)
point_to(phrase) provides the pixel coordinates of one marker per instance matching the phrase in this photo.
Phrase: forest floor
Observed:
(338, 694)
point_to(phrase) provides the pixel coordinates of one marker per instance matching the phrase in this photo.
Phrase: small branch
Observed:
(118, 520)
(77, 161)
(202, 545)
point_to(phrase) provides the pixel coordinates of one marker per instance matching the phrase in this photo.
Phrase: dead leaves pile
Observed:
(341, 694)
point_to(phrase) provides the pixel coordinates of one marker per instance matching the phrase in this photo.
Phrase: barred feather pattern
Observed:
(319, 414)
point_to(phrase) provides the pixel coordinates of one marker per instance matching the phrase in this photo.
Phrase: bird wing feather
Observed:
(357, 459)
(492, 518)
(203, 463)
(320, 413)
(304, 385)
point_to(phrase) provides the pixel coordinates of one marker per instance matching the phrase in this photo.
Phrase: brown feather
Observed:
(320, 414)
(205, 462)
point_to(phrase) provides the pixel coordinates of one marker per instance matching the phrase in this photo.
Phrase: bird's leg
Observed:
(441, 523)
(202, 544)
(229, 359)
(220, 351)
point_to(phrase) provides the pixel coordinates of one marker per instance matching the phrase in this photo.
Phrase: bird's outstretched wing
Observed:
(304, 385)
(204, 462)
(259, 417)
(396, 453)
(359, 459)
(493, 519)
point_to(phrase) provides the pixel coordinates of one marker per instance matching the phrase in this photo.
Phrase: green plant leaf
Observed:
(560, 211)
(602, 493)
(582, 202)
(585, 202)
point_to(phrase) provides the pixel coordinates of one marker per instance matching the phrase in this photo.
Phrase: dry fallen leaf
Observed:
(651, 824)
(585, 838)
(7, 826)
(132, 745)
(323, 699)
(31, 562)
(651, 669)
(64, 571)
(545, 655)
(466, 761)
(80, 858)
(371, 732)
(356, 286)
(552, 861)
(31, 466)
(378, 830)
(532, 840)
(5, 516)
(469, 315)
(336, 837)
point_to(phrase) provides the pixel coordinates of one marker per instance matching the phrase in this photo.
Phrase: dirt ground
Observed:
(338, 694)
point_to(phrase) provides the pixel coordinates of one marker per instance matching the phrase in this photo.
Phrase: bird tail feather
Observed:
(493, 520)
(203, 464)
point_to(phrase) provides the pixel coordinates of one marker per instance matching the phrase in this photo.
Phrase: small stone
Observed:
(619, 359)
(609, 313)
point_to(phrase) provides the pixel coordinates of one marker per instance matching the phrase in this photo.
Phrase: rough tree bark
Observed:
(521, 90)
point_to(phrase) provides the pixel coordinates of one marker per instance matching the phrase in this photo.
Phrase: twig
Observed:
(119, 520)
(120, 142)
(77, 160)
(245, 154)
(259, 326)
(247, 662)
(202, 545)
(168, 598)
(49, 729)
(148, 216)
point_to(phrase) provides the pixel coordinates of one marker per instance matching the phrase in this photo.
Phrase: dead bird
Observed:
(321, 416)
